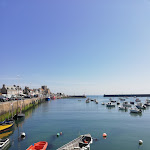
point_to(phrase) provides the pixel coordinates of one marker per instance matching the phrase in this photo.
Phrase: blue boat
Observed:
(47, 99)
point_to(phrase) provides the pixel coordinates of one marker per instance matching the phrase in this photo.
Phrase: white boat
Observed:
(103, 103)
(147, 104)
(135, 110)
(126, 104)
(110, 104)
(4, 143)
(140, 106)
(148, 100)
(81, 143)
(96, 101)
(122, 108)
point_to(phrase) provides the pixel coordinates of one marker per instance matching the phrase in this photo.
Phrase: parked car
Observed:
(2, 99)
(27, 96)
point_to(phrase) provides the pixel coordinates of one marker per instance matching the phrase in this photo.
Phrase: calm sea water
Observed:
(73, 117)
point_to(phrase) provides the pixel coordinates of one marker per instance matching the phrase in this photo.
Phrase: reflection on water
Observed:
(135, 114)
(6, 133)
(110, 107)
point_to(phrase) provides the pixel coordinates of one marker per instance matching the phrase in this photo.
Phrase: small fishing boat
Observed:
(81, 143)
(87, 101)
(110, 105)
(118, 103)
(42, 145)
(126, 104)
(53, 97)
(47, 98)
(135, 110)
(113, 101)
(4, 143)
(122, 108)
(138, 100)
(102, 103)
(147, 103)
(122, 99)
(5, 125)
(148, 100)
(96, 101)
(140, 106)
(132, 103)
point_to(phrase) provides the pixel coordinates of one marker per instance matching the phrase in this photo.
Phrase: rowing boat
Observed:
(42, 145)
(5, 125)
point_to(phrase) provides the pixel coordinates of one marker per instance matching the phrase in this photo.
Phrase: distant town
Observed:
(15, 92)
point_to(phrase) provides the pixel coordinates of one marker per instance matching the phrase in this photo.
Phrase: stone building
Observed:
(45, 90)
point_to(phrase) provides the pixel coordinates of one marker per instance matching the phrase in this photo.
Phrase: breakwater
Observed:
(9, 109)
(127, 95)
(76, 96)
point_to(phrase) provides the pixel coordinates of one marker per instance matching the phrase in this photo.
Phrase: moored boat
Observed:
(122, 108)
(132, 103)
(42, 145)
(53, 97)
(122, 99)
(138, 100)
(47, 98)
(4, 143)
(87, 101)
(96, 101)
(135, 110)
(118, 103)
(5, 125)
(140, 106)
(110, 105)
(81, 143)
(126, 104)
(113, 101)
(102, 103)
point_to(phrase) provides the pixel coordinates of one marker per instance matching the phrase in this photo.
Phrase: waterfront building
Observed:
(11, 90)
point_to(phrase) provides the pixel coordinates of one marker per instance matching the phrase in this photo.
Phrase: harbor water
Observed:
(74, 117)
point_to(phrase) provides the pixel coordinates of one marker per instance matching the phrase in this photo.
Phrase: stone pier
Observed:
(7, 106)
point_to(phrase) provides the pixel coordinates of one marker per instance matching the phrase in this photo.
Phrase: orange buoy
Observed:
(60, 133)
(104, 134)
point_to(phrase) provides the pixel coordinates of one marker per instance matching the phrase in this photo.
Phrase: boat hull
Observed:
(47, 99)
(5, 127)
(42, 145)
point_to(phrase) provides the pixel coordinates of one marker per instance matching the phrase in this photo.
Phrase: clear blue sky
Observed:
(76, 46)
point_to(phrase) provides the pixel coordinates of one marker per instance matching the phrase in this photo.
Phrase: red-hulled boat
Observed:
(42, 145)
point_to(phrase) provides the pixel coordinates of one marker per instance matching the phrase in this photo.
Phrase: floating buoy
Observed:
(60, 133)
(140, 142)
(104, 134)
(23, 134)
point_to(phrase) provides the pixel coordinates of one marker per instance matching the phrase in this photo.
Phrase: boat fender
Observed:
(104, 134)
(140, 142)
